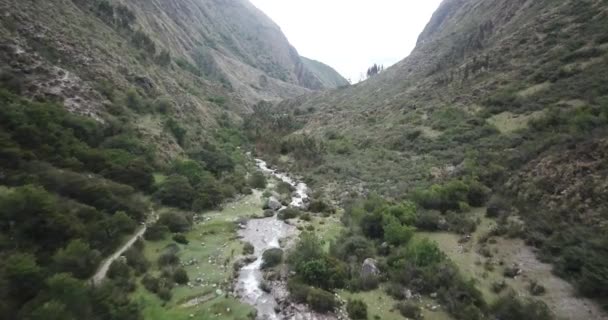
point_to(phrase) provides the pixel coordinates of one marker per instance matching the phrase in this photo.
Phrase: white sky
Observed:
(351, 35)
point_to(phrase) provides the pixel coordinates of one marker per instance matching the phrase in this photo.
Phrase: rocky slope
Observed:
(204, 56)
(510, 93)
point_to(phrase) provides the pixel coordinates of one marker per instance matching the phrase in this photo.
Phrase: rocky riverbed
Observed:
(272, 302)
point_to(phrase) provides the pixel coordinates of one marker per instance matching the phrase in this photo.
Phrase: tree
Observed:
(71, 293)
(157, 231)
(176, 191)
(51, 310)
(23, 277)
(123, 223)
(77, 258)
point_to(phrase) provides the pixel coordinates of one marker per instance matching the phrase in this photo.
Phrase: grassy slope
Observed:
(213, 244)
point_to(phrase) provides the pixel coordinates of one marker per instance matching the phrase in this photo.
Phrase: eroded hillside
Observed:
(511, 95)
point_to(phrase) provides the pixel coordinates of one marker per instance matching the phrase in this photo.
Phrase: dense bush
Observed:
(176, 191)
(272, 257)
(348, 247)
(257, 180)
(168, 259)
(424, 268)
(289, 213)
(176, 221)
(410, 310)
(509, 307)
(156, 231)
(396, 233)
(321, 206)
(356, 309)
(248, 248)
(178, 132)
(451, 195)
(180, 238)
(321, 300)
(180, 276)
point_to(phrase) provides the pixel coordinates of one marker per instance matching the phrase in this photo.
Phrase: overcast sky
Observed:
(351, 35)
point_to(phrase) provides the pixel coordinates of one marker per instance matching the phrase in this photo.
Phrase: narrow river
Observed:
(264, 234)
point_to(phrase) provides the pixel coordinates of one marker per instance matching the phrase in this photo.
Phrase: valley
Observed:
(467, 181)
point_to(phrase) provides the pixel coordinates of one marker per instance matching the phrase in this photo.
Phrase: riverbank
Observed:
(208, 258)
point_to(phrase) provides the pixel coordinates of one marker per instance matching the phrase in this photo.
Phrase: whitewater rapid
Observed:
(265, 234)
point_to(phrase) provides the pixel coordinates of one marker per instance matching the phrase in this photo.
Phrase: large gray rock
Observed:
(274, 204)
(369, 268)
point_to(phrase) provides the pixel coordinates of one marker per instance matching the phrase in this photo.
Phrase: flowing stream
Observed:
(264, 234)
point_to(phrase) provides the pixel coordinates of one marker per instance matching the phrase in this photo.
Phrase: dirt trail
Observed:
(101, 273)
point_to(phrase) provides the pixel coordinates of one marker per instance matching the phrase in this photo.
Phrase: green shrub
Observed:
(257, 180)
(356, 309)
(164, 294)
(272, 257)
(156, 231)
(137, 260)
(497, 206)
(176, 222)
(372, 225)
(297, 290)
(180, 238)
(429, 221)
(410, 310)
(509, 307)
(176, 191)
(248, 248)
(168, 259)
(349, 246)
(180, 276)
(178, 132)
(319, 206)
(395, 233)
(321, 300)
(288, 213)
(151, 283)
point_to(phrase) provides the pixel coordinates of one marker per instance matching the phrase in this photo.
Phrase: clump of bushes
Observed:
(453, 195)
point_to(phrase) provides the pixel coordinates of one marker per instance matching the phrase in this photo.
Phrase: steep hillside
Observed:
(505, 95)
(328, 76)
(117, 116)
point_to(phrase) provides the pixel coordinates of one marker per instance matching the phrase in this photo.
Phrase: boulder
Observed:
(274, 204)
(369, 268)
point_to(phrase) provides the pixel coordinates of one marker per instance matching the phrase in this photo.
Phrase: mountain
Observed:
(119, 118)
(116, 114)
(504, 95)
(328, 76)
